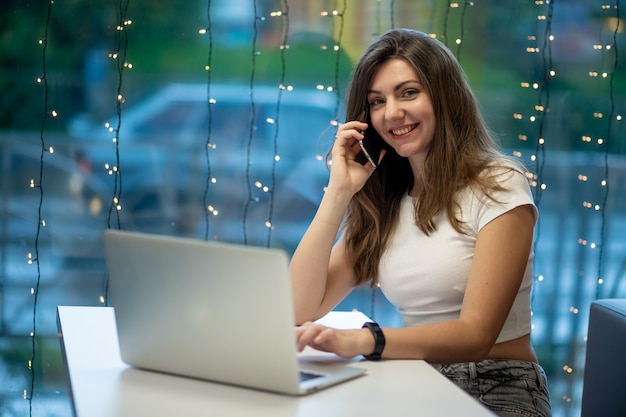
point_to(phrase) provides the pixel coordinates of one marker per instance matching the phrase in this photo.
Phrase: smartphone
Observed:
(371, 145)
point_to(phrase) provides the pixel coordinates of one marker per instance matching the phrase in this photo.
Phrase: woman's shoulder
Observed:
(499, 178)
(503, 173)
(504, 184)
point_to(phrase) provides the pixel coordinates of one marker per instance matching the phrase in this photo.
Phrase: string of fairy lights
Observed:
(539, 115)
(39, 185)
(452, 6)
(251, 128)
(121, 64)
(612, 117)
(118, 55)
(339, 22)
(542, 107)
(208, 146)
(336, 28)
(466, 5)
(459, 39)
(282, 14)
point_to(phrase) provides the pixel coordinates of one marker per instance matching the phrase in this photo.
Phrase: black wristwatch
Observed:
(379, 340)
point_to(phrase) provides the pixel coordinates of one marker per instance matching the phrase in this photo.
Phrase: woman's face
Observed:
(401, 111)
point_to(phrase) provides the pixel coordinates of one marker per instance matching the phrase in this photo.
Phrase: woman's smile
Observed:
(401, 131)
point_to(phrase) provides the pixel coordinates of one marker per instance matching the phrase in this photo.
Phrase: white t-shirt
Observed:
(425, 276)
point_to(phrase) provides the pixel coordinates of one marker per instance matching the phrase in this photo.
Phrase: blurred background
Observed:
(211, 119)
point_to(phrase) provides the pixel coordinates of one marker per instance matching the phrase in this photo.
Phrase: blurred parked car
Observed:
(261, 140)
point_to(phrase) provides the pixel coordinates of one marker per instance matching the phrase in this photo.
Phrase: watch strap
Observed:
(379, 341)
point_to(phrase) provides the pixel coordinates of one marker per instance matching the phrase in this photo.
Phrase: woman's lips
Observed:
(403, 131)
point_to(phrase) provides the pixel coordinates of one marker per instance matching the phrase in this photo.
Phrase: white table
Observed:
(101, 385)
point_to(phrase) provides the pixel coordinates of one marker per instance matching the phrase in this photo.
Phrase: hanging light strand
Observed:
(284, 46)
(252, 125)
(338, 50)
(609, 133)
(29, 392)
(121, 47)
(462, 18)
(208, 211)
(541, 111)
(459, 41)
(543, 105)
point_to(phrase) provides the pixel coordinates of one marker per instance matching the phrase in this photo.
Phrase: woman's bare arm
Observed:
(321, 275)
(500, 258)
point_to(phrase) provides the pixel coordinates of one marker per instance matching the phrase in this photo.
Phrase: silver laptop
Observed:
(209, 310)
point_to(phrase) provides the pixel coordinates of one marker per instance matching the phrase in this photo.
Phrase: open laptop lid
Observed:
(208, 310)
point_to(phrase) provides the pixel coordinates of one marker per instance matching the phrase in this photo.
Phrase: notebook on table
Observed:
(209, 310)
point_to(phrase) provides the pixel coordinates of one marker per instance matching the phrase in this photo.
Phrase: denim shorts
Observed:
(509, 388)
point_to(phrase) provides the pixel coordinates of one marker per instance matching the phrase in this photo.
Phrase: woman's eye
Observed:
(375, 102)
(410, 93)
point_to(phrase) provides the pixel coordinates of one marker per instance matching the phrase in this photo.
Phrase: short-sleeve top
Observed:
(425, 276)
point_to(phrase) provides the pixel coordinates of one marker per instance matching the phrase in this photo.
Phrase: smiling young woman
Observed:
(443, 224)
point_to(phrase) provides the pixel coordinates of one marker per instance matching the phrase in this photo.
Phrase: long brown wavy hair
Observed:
(461, 150)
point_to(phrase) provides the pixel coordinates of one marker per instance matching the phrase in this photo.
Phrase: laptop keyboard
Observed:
(306, 376)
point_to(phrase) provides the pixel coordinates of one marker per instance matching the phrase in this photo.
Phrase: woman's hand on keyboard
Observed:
(344, 343)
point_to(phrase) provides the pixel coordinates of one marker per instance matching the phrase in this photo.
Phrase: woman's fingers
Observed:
(314, 335)
(347, 140)
(344, 343)
(351, 130)
(346, 173)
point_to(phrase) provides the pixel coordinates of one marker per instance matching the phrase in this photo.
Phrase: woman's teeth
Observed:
(403, 131)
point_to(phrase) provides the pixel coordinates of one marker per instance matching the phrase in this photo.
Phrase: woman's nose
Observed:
(394, 110)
